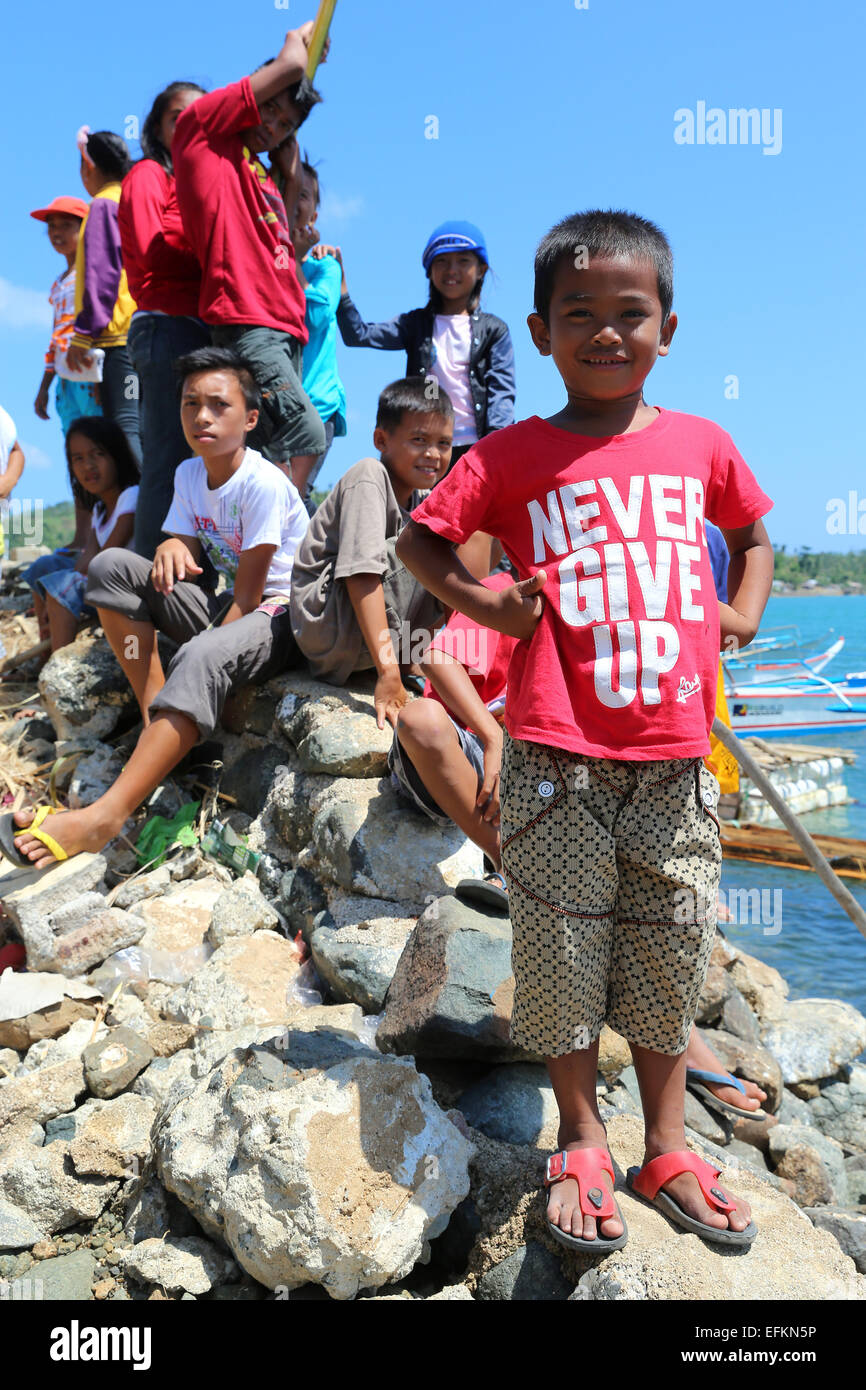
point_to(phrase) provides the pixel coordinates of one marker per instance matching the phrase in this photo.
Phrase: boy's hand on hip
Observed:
(520, 607)
(389, 696)
(171, 564)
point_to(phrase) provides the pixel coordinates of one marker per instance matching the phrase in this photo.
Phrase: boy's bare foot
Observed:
(700, 1055)
(685, 1190)
(75, 831)
(563, 1206)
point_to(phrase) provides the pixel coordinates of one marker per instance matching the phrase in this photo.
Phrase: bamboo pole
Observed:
(844, 897)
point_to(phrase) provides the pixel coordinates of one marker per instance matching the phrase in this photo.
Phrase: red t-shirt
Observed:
(162, 269)
(624, 660)
(483, 653)
(234, 217)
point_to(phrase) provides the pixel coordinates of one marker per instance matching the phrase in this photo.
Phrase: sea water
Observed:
(807, 935)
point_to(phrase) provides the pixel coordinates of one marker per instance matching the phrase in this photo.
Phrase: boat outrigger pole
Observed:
(843, 895)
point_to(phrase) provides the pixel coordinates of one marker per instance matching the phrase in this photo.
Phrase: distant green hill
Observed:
(58, 526)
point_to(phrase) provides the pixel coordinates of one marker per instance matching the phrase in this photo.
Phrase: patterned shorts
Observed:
(613, 870)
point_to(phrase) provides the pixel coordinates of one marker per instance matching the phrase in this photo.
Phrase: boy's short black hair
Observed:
(301, 93)
(219, 359)
(110, 153)
(413, 395)
(614, 234)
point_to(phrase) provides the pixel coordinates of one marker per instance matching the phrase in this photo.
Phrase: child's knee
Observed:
(424, 724)
(104, 562)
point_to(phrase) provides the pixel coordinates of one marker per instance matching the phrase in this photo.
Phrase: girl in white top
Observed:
(104, 477)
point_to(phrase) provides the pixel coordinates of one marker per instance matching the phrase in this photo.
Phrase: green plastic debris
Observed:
(223, 843)
(160, 834)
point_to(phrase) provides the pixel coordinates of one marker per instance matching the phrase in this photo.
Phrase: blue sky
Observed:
(542, 110)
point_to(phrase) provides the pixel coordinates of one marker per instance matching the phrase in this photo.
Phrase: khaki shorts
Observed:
(613, 871)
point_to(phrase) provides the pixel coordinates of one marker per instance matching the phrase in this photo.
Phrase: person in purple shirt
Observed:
(719, 560)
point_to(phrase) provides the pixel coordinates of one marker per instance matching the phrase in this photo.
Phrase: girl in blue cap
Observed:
(451, 339)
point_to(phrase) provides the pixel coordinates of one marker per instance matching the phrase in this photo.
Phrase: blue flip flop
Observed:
(695, 1078)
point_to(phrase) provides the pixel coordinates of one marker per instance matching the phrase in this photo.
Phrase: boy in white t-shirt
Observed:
(249, 518)
(11, 464)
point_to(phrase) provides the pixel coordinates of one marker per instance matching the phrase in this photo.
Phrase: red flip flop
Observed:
(646, 1182)
(586, 1167)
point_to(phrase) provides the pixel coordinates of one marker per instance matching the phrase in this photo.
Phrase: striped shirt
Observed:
(62, 300)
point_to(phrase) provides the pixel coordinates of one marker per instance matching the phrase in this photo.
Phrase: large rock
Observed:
(83, 689)
(849, 1228)
(514, 1104)
(783, 1138)
(763, 988)
(813, 1038)
(289, 805)
(178, 921)
(66, 1278)
(94, 775)
(112, 1138)
(452, 991)
(367, 840)
(17, 1230)
(241, 910)
(40, 1095)
(356, 945)
(532, 1273)
(178, 1264)
(31, 898)
(840, 1112)
(334, 739)
(80, 950)
(42, 1182)
(789, 1261)
(246, 981)
(316, 1169)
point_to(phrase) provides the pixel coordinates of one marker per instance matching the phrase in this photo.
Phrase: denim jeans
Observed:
(289, 423)
(120, 391)
(155, 342)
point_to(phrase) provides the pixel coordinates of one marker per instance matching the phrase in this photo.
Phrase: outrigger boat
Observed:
(798, 704)
(760, 665)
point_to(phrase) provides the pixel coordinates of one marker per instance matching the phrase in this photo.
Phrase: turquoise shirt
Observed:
(321, 379)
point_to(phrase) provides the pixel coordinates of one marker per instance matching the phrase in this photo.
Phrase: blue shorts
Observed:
(66, 587)
(406, 780)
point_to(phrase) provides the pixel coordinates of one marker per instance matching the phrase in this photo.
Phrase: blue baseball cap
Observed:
(454, 236)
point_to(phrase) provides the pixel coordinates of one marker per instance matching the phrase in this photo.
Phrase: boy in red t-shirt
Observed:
(610, 839)
(236, 222)
(447, 748)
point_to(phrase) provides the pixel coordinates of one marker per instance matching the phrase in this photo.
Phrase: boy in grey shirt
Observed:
(353, 603)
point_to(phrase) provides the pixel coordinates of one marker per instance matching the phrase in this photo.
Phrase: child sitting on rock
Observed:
(447, 749)
(104, 475)
(353, 602)
(248, 516)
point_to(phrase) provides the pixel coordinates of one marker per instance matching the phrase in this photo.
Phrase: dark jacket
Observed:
(491, 357)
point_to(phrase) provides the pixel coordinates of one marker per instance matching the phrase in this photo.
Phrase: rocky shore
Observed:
(299, 1084)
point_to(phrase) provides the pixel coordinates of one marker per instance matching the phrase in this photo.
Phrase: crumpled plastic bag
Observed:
(160, 834)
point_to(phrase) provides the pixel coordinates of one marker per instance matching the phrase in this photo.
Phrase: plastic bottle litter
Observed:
(305, 988)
